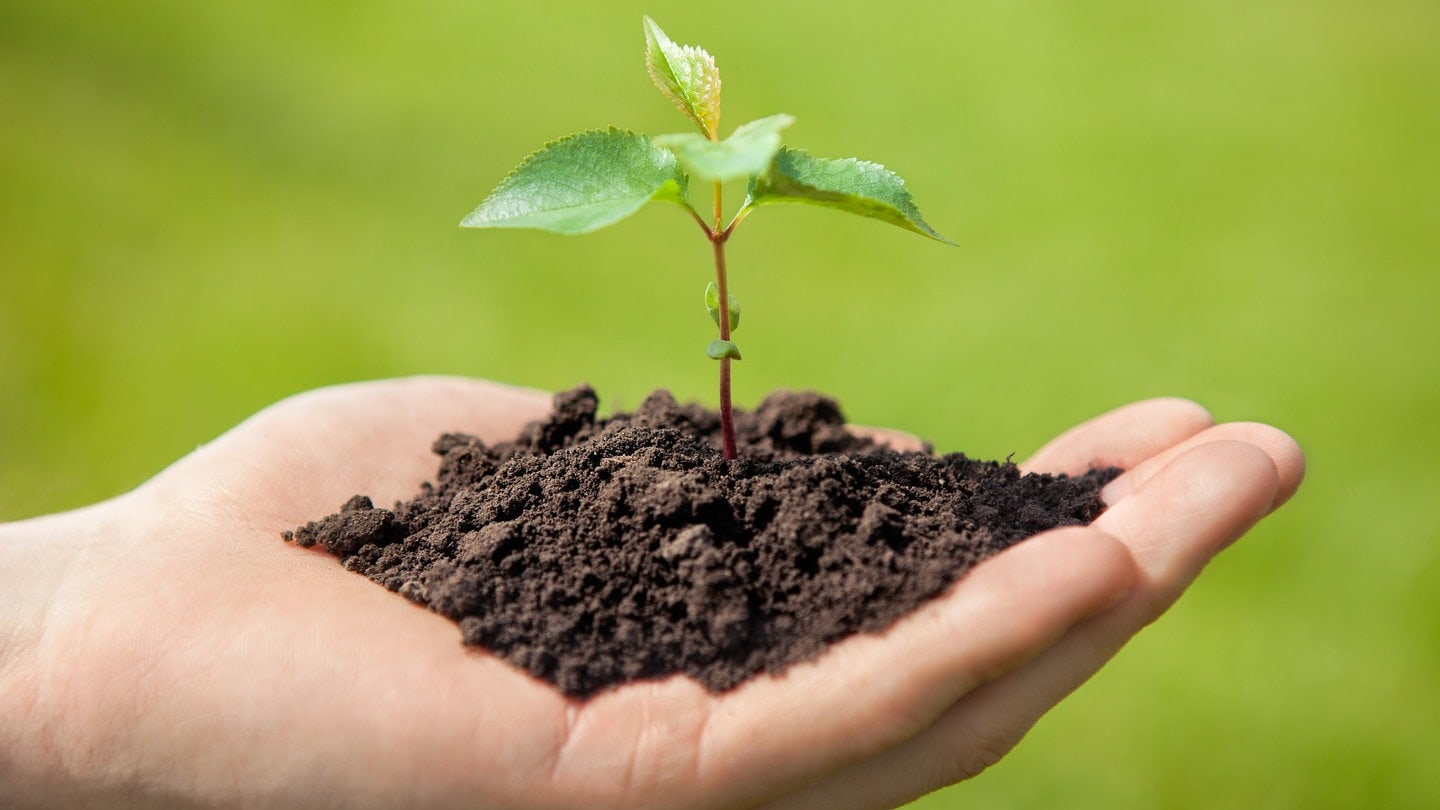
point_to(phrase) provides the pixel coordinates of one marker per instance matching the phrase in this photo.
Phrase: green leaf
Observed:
(583, 182)
(686, 75)
(857, 186)
(712, 305)
(746, 153)
(720, 349)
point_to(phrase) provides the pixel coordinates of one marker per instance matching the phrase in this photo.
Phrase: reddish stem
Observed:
(727, 417)
(726, 412)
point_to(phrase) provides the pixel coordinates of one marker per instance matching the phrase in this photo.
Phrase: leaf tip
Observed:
(685, 74)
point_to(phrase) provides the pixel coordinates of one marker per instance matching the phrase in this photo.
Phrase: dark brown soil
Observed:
(594, 552)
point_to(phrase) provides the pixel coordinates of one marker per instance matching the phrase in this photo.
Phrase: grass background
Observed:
(204, 208)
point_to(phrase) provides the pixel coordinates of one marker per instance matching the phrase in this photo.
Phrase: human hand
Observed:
(166, 648)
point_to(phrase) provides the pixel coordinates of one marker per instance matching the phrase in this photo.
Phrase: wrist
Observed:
(38, 561)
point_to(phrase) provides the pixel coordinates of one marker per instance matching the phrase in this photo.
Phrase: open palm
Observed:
(166, 647)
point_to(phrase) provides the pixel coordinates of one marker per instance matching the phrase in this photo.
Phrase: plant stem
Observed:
(718, 238)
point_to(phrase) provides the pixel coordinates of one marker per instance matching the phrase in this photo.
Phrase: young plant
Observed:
(586, 181)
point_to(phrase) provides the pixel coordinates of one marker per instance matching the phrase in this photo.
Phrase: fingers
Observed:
(1143, 437)
(871, 692)
(1191, 508)
(1284, 452)
(1122, 438)
(305, 456)
(1173, 523)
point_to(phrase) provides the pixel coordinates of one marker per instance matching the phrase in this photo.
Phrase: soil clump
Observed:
(593, 552)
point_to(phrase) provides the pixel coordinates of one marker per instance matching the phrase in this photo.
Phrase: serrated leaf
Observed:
(851, 185)
(582, 182)
(712, 305)
(746, 153)
(686, 75)
(720, 349)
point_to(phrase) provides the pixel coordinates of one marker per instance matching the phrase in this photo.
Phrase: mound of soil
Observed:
(591, 552)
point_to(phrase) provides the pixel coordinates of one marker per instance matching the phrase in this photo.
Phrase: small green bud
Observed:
(719, 349)
(712, 305)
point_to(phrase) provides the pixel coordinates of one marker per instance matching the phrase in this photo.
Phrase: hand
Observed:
(166, 648)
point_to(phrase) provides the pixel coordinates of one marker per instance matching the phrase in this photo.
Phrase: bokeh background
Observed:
(207, 207)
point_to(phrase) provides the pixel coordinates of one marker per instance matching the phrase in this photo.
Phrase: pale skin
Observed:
(166, 648)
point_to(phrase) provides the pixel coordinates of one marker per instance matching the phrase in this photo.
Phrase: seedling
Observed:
(586, 181)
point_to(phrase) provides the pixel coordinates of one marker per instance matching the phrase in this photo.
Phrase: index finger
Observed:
(1121, 438)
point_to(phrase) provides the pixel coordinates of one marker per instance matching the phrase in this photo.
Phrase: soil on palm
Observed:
(593, 552)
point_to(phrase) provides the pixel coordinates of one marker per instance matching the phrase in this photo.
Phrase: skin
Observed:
(166, 648)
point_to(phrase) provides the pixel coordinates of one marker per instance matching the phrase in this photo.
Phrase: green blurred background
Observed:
(207, 207)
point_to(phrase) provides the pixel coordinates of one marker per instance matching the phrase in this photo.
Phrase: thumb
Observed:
(306, 455)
